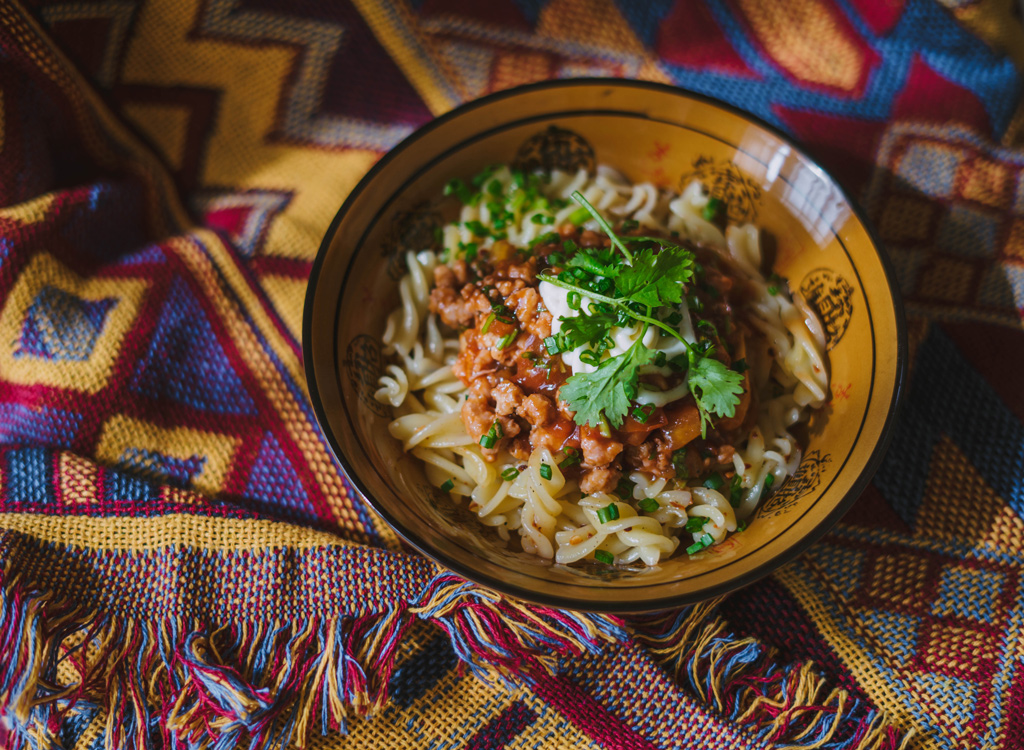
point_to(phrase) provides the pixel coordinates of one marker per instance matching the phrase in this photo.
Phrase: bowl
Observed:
(649, 132)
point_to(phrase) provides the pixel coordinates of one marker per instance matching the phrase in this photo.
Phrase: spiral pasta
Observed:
(533, 500)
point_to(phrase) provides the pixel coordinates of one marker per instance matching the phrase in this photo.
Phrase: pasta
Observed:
(479, 385)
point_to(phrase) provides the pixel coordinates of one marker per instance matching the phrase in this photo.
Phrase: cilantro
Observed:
(715, 388)
(656, 279)
(607, 392)
(582, 330)
(600, 261)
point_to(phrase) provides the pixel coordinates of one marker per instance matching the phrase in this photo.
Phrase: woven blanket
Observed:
(182, 564)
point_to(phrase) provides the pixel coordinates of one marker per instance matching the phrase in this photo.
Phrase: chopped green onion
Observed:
(469, 251)
(642, 413)
(714, 481)
(629, 225)
(545, 239)
(579, 216)
(496, 429)
(624, 489)
(604, 556)
(773, 290)
(556, 259)
(769, 480)
(712, 209)
(674, 319)
(649, 505)
(572, 457)
(735, 490)
(679, 463)
(574, 300)
(495, 187)
(542, 219)
(487, 322)
(590, 357)
(510, 473)
(481, 177)
(660, 359)
(448, 486)
(478, 229)
(551, 344)
(608, 513)
(488, 441)
(704, 542)
(518, 179)
(507, 339)
(695, 524)
(741, 526)
(740, 366)
(459, 189)
(545, 471)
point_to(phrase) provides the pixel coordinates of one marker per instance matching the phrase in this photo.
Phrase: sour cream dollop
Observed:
(556, 300)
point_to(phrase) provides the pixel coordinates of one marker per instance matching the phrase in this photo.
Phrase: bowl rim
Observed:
(742, 580)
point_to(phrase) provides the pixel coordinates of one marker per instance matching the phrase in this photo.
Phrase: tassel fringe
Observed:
(181, 684)
(741, 679)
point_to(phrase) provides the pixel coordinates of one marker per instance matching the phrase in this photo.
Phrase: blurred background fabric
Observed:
(182, 563)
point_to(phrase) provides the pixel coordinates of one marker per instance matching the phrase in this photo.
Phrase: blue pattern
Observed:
(186, 362)
(275, 482)
(154, 465)
(43, 425)
(61, 326)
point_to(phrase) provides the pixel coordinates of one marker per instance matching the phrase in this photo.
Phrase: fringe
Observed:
(790, 706)
(180, 683)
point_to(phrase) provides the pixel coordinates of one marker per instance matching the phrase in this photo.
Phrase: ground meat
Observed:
(590, 238)
(458, 309)
(599, 479)
(528, 307)
(653, 455)
(507, 397)
(538, 410)
(444, 276)
(597, 449)
(479, 417)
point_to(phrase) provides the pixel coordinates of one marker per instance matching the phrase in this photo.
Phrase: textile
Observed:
(182, 564)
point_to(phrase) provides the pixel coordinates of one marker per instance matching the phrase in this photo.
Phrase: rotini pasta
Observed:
(478, 388)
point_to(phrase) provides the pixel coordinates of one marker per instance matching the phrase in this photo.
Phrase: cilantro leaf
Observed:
(607, 392)
(598, 261)
(656, 279)
(580, 330)
(715, 388)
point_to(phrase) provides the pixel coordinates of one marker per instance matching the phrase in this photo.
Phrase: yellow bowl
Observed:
(649, 132)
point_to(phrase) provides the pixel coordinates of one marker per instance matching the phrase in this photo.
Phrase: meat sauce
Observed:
(514, 383)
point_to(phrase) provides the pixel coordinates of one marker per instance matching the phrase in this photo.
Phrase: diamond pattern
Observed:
(61, 326)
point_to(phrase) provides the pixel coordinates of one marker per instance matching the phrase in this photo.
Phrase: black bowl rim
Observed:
(871, 466)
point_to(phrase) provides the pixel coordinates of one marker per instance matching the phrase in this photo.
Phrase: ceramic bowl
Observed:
(648, 132)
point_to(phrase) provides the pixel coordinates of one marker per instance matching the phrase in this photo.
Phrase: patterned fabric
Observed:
(183, 565)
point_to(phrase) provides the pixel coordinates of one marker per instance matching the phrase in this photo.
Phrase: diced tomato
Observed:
(682, 424)
(634, 432)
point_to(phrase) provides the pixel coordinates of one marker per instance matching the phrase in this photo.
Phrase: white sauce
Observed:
(556, 300)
